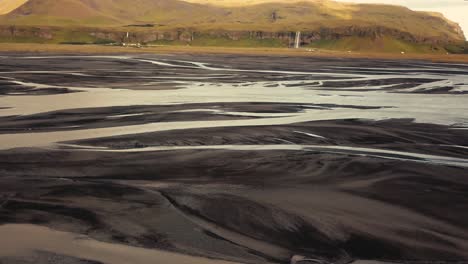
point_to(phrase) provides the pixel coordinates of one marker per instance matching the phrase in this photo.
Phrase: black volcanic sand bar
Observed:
(86, 118)
(320, 158)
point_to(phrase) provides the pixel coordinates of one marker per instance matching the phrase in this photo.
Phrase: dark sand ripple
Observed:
(232, 159)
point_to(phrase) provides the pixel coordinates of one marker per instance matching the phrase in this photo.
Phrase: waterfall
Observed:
(297, 42)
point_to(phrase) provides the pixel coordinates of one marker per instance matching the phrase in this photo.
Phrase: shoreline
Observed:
(6, 48)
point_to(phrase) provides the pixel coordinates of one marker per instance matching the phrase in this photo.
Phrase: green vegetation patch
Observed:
(224, 41)
(207, 40)
(383, 44)
(461, 48)
(51, 36)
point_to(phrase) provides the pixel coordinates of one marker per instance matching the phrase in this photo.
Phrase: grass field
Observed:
(93, 49)
(384, 44)
(205, 41)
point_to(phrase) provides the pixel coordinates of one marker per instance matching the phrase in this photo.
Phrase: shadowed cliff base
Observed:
(346, 38)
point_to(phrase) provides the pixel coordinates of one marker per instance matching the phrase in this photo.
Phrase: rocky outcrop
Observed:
(188, 35)
(15, 32)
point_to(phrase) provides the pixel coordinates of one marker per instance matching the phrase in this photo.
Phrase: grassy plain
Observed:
(93, 49)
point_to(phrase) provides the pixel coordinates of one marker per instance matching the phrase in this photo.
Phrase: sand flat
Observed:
(20, 239)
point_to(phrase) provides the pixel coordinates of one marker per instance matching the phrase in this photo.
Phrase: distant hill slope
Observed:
(105, 12)
(6, 6)
(317, 19)
(234, 3)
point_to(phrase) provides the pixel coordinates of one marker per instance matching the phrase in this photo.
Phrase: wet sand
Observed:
(232, 159)
(31, 237)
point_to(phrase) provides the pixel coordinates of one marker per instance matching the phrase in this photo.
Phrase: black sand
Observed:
(247, 206)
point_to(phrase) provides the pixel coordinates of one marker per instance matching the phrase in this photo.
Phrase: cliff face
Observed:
(177, 20)
(38, 33)
(457, 29)
(184, 35)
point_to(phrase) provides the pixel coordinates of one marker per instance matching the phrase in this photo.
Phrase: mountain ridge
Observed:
(6, 6)
(318, 19)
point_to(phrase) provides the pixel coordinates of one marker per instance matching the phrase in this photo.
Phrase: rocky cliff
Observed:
(173, 20)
